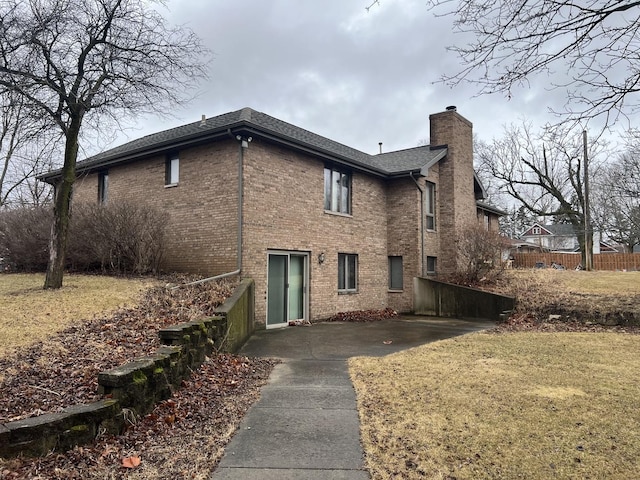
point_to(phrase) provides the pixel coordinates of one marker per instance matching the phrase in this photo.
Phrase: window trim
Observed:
(171, 166)
(333, 199)
(103, 186)
(392, 287)
(343, 266)
(430, 206)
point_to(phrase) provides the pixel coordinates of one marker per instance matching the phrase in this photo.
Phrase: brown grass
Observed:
(29, 314)
(520, 405)
(604, 297)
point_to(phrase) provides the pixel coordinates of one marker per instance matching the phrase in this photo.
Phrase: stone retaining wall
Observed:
(135, 388)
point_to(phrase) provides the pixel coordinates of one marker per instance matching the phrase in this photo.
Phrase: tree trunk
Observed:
(62, 210)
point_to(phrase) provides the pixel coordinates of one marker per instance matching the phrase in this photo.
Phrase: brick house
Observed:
(321, 227)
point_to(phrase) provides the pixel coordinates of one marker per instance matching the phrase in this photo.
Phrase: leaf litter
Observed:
(183, 437)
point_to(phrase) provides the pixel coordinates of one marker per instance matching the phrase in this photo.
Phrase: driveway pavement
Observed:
(305, 425)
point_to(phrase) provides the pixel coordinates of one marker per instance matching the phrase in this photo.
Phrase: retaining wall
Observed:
(136, 387)
(441, 299)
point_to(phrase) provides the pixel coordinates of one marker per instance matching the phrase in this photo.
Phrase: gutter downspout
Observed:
(242, 144)
(421, 222)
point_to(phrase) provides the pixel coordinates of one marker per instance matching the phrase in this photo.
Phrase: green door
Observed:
(286, 288)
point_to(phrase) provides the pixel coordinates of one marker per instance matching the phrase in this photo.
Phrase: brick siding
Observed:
(457, 206)
(201, 210)
(283, 210)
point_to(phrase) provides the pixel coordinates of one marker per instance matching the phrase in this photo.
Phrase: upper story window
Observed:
(536, 230)
(103, 187)
(337, 190)
(347, 272)
(172, 170)
(430, 205)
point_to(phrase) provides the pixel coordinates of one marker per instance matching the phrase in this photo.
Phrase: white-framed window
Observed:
(430, 205)
(347, 272)
(337, 190)
(536, 230)
(395, 273)
(103, 187)
(432, 265)
(172, 170)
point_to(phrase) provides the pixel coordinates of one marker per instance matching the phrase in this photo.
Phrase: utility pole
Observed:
(588, 235)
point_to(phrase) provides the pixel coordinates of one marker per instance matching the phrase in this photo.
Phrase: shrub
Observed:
(479, 255)
(119, 237)
(24, 238)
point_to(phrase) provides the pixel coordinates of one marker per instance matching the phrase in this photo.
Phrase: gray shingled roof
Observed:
(387, 164)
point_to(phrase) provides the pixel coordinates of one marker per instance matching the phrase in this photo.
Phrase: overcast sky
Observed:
(356, 76)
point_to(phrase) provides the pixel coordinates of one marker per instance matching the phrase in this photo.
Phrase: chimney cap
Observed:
(451, 108)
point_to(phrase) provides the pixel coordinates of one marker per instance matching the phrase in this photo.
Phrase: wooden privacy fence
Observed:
(601, 261)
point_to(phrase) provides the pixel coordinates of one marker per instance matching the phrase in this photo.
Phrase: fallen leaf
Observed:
(388, 342)
(130, 462)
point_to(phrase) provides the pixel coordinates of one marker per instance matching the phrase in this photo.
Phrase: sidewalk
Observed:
(305, 425)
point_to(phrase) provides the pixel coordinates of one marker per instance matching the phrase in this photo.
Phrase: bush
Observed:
(479, 255)
(24, 238)
(119, 237)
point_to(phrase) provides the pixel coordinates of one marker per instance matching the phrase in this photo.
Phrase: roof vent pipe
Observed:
(380, 145)
(203, 120)
(451, 108)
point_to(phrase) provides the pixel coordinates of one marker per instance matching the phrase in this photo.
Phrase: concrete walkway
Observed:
(305, 425)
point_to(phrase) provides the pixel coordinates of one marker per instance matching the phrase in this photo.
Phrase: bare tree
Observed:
(618, 192)
(595, 41)
(544, 173)
(25, 151)
(79, 61)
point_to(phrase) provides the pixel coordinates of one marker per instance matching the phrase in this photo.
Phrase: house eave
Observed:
(490, 208)
(240, 127)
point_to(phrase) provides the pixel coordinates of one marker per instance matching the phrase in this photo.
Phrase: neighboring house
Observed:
(562, 238)
(321, 227)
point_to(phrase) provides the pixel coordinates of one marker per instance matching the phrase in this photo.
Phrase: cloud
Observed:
(331, 67)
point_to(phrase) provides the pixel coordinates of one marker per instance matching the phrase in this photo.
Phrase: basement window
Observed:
(347, 273)
(431, 265)
(395, 273)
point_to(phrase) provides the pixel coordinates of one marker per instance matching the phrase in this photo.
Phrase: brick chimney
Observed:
(457, 205)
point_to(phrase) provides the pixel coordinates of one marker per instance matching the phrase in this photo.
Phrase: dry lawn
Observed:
(604, 297)
(29, 314)
(516, 405)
